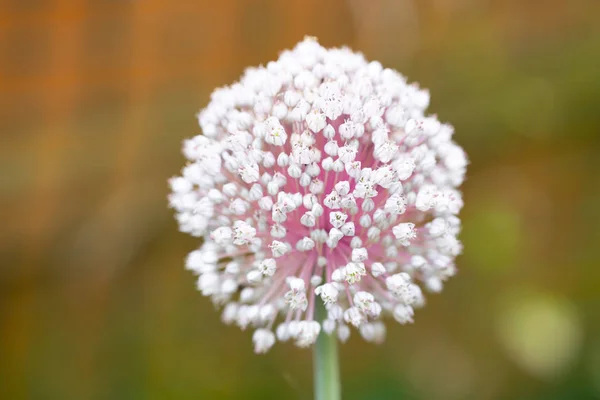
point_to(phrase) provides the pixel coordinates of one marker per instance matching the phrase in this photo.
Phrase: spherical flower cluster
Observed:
(319, 178)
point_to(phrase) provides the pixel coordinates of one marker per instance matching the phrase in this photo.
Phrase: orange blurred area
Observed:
(95, 99)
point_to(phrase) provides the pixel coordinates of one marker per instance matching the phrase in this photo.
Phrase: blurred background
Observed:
(95, 98)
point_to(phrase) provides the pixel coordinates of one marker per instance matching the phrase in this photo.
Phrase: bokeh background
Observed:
(95, 98)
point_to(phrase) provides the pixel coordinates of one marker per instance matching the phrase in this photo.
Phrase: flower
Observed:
(319, 178)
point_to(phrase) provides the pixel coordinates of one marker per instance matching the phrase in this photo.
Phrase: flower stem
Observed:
(325, 361)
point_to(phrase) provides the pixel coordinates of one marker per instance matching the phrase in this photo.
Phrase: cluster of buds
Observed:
(320, 178)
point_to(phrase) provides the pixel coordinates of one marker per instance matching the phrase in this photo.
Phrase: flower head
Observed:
(320, 178)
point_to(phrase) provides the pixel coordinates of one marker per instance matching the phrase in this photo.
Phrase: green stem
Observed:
(325, 361)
